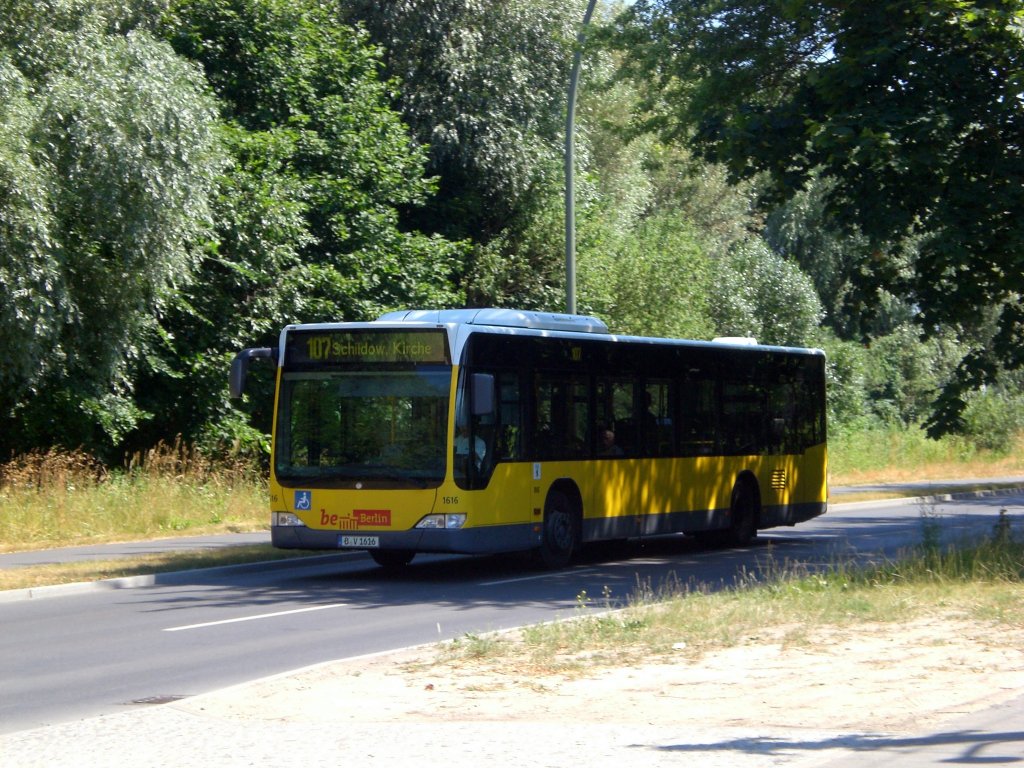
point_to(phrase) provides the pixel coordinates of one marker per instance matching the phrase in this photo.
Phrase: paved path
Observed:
(925, 487)
(130, 549)
(168, 735)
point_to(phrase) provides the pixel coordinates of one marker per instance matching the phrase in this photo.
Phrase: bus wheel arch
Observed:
(744, 510)
(561, 526)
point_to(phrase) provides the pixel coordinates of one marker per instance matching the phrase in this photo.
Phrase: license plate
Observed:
(359, 542)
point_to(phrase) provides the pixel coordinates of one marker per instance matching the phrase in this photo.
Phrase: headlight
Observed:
(285, 519)
(448, 522)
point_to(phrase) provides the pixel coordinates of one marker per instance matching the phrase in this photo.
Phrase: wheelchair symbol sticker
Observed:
(303, 500)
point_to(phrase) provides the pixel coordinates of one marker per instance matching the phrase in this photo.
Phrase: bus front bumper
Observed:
(467, 541)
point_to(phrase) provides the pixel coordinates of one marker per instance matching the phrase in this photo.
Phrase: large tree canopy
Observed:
(158, 213)
(483, 88)
(913, 109)
(107, 154)
(483, 85)
(305, 90)
(307, 212)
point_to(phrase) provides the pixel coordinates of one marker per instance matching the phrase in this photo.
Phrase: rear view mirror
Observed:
(482, 394)
(240, 367)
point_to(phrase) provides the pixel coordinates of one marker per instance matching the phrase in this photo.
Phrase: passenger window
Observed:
(616, 422)
(561, 417)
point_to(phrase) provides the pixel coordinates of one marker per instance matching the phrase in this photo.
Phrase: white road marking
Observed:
(255, 618)
(536, 577)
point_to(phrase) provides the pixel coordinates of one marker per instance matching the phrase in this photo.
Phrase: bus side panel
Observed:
(506, 515)
(611, 491)
(646, 497)
(793, 488)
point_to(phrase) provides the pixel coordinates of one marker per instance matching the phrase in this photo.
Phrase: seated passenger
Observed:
(608, 446)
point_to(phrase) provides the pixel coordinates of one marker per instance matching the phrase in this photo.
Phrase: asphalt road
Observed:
(103, 650)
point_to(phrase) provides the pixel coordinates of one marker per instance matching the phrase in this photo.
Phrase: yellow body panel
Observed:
(609, 488)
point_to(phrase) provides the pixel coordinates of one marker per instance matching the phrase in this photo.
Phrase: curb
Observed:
(937, 498)
(170, 578)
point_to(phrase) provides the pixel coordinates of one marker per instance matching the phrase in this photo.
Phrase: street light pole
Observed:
(570, 167)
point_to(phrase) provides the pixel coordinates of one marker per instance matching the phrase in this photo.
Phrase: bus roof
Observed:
(507, 318)
(462, 323)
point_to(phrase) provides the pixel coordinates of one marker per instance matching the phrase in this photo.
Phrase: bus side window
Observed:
(743, 417)
(508, 442)
(656, 419)
(782, 404)
(698, 409)
(616, 414)
(809, 396)
(561, 417)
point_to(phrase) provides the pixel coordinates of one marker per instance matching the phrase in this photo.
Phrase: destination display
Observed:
(325, 347)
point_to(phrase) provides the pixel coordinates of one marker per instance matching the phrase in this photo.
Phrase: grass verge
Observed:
(894, 455)
(58, 499)
(978, 583)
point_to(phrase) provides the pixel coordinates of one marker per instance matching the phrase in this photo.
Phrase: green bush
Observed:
(993, 419)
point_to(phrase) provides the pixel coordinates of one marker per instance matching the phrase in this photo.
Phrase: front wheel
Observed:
(560, 535)
(392, 558)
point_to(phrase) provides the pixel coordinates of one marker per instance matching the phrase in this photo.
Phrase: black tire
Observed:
(560, 535)
(743, 513)
(392, 558)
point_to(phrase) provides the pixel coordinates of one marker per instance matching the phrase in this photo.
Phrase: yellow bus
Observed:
(495, 430)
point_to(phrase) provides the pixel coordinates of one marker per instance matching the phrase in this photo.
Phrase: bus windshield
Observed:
(363, 429)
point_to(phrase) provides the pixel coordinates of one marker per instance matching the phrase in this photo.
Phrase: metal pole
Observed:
(570, 168)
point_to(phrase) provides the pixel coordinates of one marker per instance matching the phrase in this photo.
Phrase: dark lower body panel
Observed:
(635, 526)
(525, 536)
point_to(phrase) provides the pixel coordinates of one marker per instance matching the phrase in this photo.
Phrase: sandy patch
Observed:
(765, 704)
(883, 677)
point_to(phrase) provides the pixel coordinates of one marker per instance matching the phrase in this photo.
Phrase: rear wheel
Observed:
(742, 528)
(560, 534)
(392, 558)
(743, 513)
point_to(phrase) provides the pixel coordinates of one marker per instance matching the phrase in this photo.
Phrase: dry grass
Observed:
(58, 498)
(976, 582)
(907, 455)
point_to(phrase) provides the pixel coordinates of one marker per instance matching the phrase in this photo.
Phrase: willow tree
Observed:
(108, 156)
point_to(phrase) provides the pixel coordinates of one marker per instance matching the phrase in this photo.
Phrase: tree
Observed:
(655, 282)
(903, 372)
(32, 294)
(307, 211)
(800, 229)
(294, 71)
(483, 85)
(758, 293)
(911, 108)
(105, 177)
